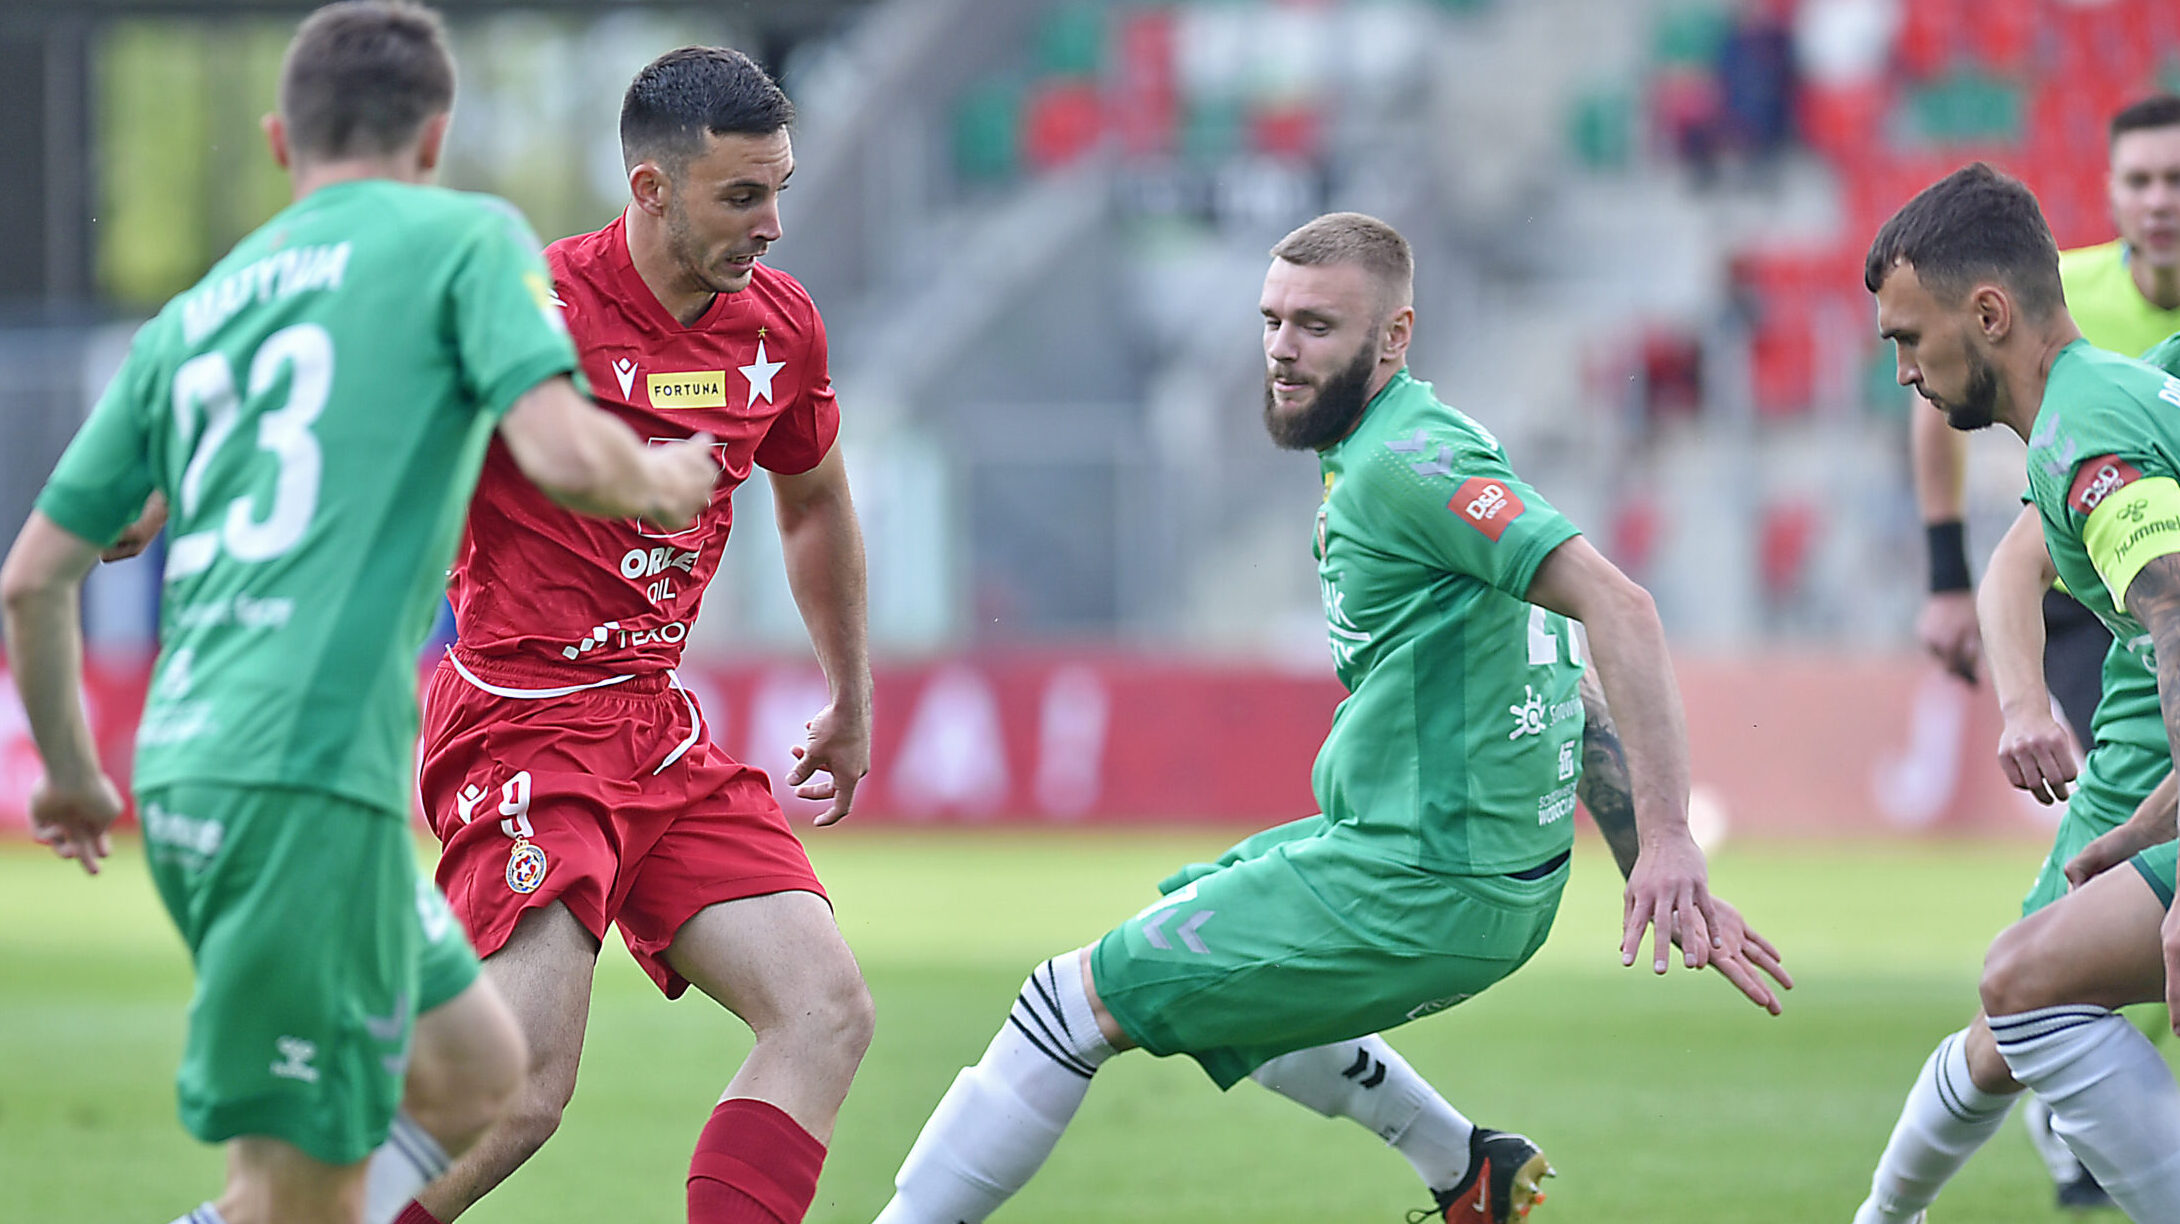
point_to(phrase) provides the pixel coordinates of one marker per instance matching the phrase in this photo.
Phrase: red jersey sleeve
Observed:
(802, 436)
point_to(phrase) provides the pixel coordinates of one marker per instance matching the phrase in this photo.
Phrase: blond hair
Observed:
(1348, 237)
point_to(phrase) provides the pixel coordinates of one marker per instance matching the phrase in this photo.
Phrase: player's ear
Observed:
(276, 138)
(648, 186)
(431, 140)
(1399, 330)
(1993, 311)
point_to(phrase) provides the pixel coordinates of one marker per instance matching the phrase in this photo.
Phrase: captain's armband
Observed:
(2126, 530)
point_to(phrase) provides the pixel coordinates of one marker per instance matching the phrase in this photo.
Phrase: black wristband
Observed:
(1948, 546)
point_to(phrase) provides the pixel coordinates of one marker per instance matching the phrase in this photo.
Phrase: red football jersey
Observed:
(537, 581)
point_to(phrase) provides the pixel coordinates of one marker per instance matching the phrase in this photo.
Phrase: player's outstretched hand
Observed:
(1745, 957)
(1669, 888)
(1948, 631)
(74, 822)
(682, 475)
(137, 536)
(838, 747)
(2036, 755)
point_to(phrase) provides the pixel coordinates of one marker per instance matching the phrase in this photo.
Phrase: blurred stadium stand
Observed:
(1037, 229)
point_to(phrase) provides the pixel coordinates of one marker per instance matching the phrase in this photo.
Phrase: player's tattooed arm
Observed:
(2153, 597)
(1604, 788)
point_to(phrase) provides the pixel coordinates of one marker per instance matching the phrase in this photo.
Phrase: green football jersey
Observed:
(1459, 743)
(2108, 430)
(315, 411)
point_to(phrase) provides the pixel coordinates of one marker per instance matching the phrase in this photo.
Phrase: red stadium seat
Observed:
(1143, 98)
(1841, 121)
(1287, 130)
(1061, 121)
(1786, 537)
(1632, 539)
(1930, 32)
(2004, 34)
(1782, 362)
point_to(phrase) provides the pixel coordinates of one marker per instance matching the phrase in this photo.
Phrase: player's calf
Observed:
(466, 1064)
(1367, 1081)
(1001, 1118)
(465, 1067)
(270, 1181)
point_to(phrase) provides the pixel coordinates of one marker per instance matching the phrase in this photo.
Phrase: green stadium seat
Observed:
(1072, 41)
(987, 123)
(1601, 127)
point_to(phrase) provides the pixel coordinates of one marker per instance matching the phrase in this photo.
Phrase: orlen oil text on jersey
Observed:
(640, 563)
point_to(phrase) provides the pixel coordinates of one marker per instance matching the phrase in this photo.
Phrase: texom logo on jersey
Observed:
(1488, 505)
(638, 564)
(671, 633)
(688, 389)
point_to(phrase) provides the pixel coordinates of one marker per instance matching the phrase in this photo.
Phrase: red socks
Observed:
(413, 1214)
(753, 1165)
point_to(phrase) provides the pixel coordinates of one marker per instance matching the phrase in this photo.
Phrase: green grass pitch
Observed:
(1658, 1100)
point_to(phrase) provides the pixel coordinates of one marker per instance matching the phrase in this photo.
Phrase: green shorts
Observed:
(2115, 779)
(2155, 865)
(1301, 936)
(316, 943)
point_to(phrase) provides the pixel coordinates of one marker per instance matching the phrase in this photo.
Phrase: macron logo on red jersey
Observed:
(2098, 479)
(1487, 505)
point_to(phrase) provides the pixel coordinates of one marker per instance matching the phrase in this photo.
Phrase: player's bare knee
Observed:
(844, 1018)
(469, 1062)
(1987, 1068)
(534, 1115)
(489, 1085)
(2016, 975)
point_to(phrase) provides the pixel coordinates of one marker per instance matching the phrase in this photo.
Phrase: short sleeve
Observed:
(2127, 519)
(2165, 354)
(509, 335)
(1464, 510)
(103, 478)
(801, 437)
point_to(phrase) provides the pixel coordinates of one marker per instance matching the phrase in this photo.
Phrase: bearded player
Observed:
(567, 771)
(1447, 786)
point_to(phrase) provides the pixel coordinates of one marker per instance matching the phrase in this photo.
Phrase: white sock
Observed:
(2065, 1167)
(999, 1121)
(1946, 1118)
(206, 1214)
(2112, 1099)
(408, 1161)
(1368, 1081)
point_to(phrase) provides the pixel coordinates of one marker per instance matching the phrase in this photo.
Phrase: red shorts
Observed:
(612, 801)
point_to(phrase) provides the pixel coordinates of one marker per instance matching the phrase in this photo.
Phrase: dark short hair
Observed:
(688, 92)
(1356, 238)
(2156, 111)
(1972, 226)
(362, 76)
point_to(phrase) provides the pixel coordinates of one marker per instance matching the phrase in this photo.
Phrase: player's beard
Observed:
(1978, 405)
(691, 255)
(1328, 417)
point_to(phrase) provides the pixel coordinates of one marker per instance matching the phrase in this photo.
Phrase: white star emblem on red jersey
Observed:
(759, 373)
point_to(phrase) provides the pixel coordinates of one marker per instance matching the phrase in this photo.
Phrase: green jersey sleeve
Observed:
(1462, 508)
(100, 484)
(508, 330)
(2165, 354)
(2126, 517)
